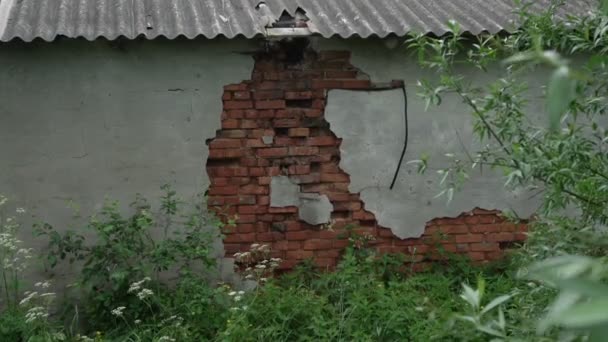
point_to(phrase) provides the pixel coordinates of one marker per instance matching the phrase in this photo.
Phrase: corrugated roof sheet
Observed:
(91, 19)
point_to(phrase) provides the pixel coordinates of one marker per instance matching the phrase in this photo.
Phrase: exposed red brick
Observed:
(486, 228)
(326, 84)
(254, 189)
(468, 238)
(317, 244)
(484, 247)
(230, 124)
(282, 210)
(269, 94)
(325, 262)
(273, 152)
(235, 87)
(286, 122)
(225, 153)
(355, 84)
(298, 235)
(270, 104)
(224, 190)
(303, 151)
(304, 148)
(225, 143)
(238, 104)
(334, 177)
(241, 95)
(299, 254)
(299, 132)
(248, 124)
(500, 237)
(321, 141)
(299, 169)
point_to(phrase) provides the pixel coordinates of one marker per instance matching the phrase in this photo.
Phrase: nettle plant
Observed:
(564, 157)
(124, 250)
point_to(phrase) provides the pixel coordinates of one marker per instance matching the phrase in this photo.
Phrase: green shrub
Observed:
(122, 264)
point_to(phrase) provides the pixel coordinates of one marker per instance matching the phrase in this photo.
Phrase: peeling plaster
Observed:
(313, 208)
(371, 125)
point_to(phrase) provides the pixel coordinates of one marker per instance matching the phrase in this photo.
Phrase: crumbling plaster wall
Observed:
(84, 121)
(372, 127)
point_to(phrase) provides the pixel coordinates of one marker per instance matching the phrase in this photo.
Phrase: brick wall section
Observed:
(287, 102)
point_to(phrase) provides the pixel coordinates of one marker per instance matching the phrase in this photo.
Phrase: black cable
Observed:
(392, 86)
(406, 137)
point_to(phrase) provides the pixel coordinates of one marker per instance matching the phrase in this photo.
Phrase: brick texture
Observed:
(286, 102)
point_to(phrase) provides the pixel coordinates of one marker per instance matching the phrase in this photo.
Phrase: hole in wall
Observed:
(299, 103)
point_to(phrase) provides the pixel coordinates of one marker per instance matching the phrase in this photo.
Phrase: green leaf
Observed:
(584, 315)
(559, 95)
(604, 7)
(495, 302)
(521, 57)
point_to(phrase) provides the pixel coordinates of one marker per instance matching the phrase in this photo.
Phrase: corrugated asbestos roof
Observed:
(91, 19)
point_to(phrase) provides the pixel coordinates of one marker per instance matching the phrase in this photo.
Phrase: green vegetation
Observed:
(136, 287)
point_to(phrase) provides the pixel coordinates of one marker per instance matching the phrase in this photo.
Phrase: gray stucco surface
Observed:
(84, 121)
(312, 208)
(371, 125)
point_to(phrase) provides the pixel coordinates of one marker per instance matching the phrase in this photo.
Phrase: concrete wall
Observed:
(83, 121)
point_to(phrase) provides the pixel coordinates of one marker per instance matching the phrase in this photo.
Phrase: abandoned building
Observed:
(298, 117)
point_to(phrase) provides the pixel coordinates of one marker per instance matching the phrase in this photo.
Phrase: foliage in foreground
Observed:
(367, 298)
(564, 162)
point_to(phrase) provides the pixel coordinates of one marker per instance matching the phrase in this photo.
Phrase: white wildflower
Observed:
(233, 293)
(144, 293)
(44, 285)
(261, 267)
(137, 321)
(263, 279)
(241, 293)
(35, 313)
(28, 298)
(20, 211)
(118, 311)
(237, 298)
(136, 286)
(166, 339)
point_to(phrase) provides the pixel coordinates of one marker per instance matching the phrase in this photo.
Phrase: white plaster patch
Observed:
(283, 192)
(312, 208)
(315, 209)
(372, 128)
